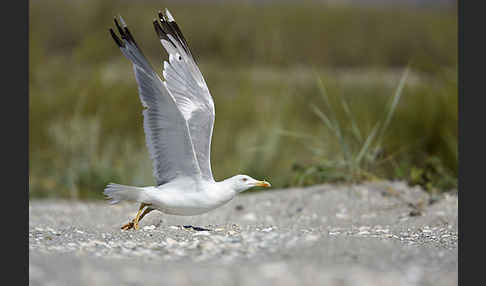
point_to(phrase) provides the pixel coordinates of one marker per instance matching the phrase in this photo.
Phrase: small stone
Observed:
(194, 244)
(170, 242)
(415, 213)
(380, 229)
(201, 233)
(370, 215)
(249, 217)
(156, 246)
(179, 252)
(207, 245)
(130, 244)
(148, 227)
(342, 216)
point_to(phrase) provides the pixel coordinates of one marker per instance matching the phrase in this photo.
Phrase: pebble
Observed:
(170, 242)
(130, 244)
(249, 217)
(207, 245)
(312, 237)
(148, 227)
(202, 233)
(342, 216)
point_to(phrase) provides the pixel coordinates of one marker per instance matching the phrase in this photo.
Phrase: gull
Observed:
(178, 119)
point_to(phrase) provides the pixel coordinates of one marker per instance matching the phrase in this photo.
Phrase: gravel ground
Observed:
(379, 233)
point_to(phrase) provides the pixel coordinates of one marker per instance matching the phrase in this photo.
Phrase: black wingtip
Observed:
(157, 28)
(120, 30)
(129, 36)
(161, 16)
(115, 37)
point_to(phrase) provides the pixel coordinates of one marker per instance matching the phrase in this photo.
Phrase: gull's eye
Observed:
(244, 179)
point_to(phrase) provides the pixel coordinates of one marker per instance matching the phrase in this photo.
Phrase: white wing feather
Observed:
(167, 132)
(188, 87)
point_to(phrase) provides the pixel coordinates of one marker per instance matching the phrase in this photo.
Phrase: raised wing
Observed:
(166, 130)
(186, 83)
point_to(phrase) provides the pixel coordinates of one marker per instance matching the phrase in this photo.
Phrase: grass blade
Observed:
(322, 88)
(393, 105)
(323, 117)
(332, 120)
(354, 126)
(396, 99)
(293, 134)
(336, 129)
(367, 144)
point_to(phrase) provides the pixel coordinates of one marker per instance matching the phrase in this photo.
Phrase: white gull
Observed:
(178, 123)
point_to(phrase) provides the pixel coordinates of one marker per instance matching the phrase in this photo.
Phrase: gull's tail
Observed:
(117, 193)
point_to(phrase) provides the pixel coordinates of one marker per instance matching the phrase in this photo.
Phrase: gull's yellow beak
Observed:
(264, 184)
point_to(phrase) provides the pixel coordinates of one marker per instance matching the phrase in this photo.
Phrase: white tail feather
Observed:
(118, 193)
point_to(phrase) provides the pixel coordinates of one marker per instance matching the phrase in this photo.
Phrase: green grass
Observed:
(263, 65)
(364, 153)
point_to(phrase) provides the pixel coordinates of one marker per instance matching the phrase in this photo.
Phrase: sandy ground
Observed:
(380, 233)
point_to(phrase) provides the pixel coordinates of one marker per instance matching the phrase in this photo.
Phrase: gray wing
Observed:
(186, 83)
(166, 130)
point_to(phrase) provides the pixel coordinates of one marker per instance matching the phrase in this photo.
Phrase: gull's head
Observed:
(241, 183)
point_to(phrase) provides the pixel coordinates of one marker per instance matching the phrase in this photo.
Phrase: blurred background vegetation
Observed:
(305, 92)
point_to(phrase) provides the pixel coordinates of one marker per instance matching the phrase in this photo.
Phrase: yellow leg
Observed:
(146, 211)
(140, 215)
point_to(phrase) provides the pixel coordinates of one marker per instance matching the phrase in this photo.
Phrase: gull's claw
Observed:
(134, 223)
(128, 226)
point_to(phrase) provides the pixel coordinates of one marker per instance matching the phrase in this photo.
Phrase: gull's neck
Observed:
(226, 185)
